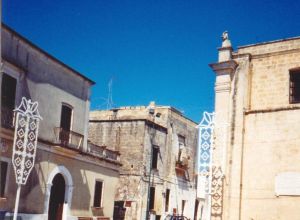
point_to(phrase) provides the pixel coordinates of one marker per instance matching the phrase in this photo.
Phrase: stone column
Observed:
(224, 69)
(47, 197)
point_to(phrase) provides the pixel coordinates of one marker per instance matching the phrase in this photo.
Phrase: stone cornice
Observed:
(224, 68)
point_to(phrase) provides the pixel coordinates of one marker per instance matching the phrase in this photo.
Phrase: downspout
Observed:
(248, 105)
(232, 116)
(152, 134)
(242, 166)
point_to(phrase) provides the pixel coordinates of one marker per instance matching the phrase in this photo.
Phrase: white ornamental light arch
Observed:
(25, 142)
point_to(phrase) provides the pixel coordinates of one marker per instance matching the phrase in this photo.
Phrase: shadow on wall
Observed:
(33, 197)
(41, 67)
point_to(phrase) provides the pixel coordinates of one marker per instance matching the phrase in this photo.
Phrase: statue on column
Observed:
(225, 40)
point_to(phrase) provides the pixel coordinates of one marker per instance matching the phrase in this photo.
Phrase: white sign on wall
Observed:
(287, 184)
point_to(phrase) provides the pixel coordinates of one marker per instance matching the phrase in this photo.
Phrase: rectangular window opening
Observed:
(65, 124)
(155, 152)
(181, 140)
(167, 200)
(8, 96)
(98, 194)
(295, 86)
(181, 147)
(196, 209)
(3, 175)
(182, 206)
(152, 198)
(66, 116)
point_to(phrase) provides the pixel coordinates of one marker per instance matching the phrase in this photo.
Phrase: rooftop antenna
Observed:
(109, 98)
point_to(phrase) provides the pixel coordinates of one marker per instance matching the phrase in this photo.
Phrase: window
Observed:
(182, 206)
(167, 200)
(8, 95)
(152, 198)
(182, 148)
(155, 152)
(295, 86)
(65, 124)
(3, 170)
(181, 140)
(98, 194)
(196, 209)
(66, 116)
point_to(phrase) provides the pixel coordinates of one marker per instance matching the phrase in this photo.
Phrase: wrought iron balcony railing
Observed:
(103, 153)
(69, 139)
(7, 117)
(74, 140)
(182, 165)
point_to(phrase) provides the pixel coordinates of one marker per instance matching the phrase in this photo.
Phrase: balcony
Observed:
(68, 139)
(7, 118)
(102, 153)
(182, 165)
(181, 168)
(73, 140)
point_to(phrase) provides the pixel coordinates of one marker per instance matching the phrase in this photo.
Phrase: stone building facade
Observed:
(256, 135)
(72, 177)
(158, 147)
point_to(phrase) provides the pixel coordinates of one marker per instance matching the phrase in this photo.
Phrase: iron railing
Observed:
(69, 139)
(74, 140)
(176, 217)
(103, 153)
(181, 164)
(7, 117)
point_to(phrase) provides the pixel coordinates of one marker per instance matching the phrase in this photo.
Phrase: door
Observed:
(57, 198)
(119, 210)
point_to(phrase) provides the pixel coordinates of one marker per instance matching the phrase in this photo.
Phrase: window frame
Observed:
(183, 203)
(72, 114)
(167, 199)
(101, 194)
(15, 95)
(181, 145)
(294, 84)
(152, 198)
(181, 140)
(155, 157)
(8, 161)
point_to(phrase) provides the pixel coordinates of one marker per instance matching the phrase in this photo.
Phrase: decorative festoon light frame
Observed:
(25, 139)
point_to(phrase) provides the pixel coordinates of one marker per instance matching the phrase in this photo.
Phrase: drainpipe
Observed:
(151, 111)
(149, 185)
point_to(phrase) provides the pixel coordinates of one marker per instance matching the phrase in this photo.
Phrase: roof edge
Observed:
(269, 42)
(47, 54)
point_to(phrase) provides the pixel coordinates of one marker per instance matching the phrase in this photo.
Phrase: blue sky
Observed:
(153, 50)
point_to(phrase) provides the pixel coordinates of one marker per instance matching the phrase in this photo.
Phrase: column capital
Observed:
(224, 68)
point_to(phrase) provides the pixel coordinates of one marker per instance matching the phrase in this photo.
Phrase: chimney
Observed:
(151, 107)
